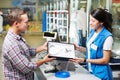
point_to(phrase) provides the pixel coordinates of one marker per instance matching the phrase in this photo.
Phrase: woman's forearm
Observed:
(104, 60)
(82, 49)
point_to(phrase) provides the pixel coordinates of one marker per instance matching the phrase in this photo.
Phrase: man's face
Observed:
(23, 25)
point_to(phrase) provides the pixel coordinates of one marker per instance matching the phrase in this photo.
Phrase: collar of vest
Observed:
(103, 32)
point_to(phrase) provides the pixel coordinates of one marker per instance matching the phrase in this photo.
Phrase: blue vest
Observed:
(103, 71)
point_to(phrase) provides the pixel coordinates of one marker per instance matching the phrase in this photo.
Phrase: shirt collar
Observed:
(16, 36)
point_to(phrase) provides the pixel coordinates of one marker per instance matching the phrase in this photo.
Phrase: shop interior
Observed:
(69, 19)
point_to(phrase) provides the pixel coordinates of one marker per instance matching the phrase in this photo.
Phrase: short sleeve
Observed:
(108, 43)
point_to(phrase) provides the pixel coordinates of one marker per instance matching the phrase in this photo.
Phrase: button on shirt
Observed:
(17, 64)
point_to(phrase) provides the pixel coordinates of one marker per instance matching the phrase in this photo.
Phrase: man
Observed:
(17, 64)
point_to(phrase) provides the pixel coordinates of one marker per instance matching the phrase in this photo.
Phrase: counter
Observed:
(80, 73)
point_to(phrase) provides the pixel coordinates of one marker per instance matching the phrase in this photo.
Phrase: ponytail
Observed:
(103, 16)
(108, 22)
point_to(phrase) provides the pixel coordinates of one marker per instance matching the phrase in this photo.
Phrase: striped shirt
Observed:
(16, 58)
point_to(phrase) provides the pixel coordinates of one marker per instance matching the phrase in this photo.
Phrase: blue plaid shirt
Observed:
(16, 59)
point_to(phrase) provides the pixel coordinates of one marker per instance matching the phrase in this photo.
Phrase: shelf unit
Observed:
(58, 20)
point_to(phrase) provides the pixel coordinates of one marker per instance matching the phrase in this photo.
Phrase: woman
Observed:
(99, 45)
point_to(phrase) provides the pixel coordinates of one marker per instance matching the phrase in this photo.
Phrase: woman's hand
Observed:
(76, 46)
(80, 48)
(78, 60)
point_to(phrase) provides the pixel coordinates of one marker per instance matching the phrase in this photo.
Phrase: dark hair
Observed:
(103, 16)
(15, 15)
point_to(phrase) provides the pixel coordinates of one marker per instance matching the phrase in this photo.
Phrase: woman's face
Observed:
(94, 23)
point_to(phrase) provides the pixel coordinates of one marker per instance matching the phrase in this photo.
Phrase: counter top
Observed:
(80, 73)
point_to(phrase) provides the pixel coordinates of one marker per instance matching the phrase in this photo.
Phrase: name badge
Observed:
(93, 46)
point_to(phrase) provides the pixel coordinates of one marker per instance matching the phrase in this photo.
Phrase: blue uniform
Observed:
(103, 71)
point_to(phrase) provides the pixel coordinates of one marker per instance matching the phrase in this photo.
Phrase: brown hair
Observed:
(15, 15)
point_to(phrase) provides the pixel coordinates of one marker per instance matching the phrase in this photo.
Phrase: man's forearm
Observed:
(40, 63)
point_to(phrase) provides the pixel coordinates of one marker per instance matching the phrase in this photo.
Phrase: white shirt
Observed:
(106, 46)
(108, 43)
(88, 46)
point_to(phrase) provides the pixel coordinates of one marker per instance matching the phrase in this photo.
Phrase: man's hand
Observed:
(47, 59)
(41, 48)
(44, 60)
